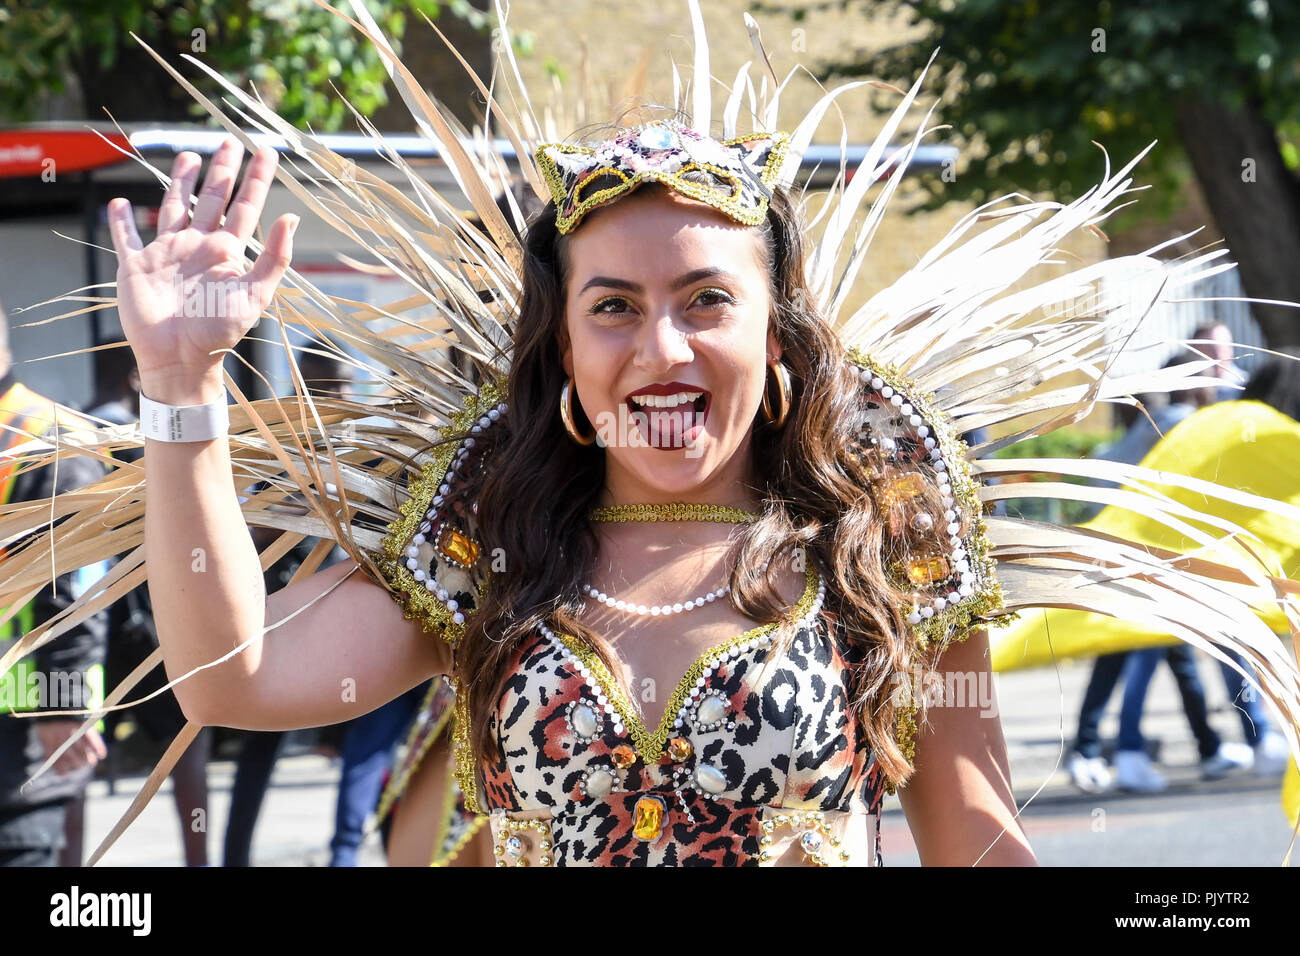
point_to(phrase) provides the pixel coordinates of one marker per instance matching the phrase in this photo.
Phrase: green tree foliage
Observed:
(291, 50)
(1028, 85)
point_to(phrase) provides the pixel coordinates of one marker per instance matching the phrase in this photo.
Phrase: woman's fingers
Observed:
(222, 172)
(269, 268)
(241, 218)
(121, 226)
(174, 213)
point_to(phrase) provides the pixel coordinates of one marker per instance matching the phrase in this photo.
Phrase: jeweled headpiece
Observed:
(734, 175)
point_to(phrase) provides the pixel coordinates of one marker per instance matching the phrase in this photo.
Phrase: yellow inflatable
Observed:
(1244, 445)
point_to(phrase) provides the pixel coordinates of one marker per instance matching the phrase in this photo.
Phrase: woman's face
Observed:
(666, 315)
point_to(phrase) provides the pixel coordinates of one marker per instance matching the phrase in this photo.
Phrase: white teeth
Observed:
(666, 401)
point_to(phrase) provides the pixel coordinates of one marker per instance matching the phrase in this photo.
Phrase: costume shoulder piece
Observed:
(431, 556)
(934, 532)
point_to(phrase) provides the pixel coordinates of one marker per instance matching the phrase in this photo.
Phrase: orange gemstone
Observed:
(623, 756)
(679, 748)
(649, 820)
(927, 570)
(902, 488)
(456, 546)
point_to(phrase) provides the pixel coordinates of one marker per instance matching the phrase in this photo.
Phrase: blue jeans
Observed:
(367, 749)
(1139, 669)
(1246, 701)
(1106, 671)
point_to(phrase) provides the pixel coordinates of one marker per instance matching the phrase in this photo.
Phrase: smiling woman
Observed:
(684, 336)
(689, 536)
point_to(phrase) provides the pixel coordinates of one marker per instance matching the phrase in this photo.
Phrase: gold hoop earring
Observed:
(783, 389)
(566, 415)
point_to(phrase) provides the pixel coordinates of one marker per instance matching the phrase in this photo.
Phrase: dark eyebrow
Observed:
(683, 280)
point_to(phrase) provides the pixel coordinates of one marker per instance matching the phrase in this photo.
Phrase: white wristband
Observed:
(183, 423)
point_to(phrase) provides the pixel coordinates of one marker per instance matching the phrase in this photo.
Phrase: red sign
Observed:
(33, 152)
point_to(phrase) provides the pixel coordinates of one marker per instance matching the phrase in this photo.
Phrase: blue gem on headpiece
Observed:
(658, 137)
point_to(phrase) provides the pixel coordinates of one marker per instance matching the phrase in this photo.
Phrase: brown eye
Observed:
(713, 297)
(599, 307)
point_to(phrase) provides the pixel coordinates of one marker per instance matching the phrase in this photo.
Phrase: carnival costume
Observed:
(757, 760)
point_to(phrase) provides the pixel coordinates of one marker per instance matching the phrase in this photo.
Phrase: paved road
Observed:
(1233, 821)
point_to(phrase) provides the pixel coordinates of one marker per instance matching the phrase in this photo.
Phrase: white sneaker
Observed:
(1272, 755)
(1232, 755)
(1134, 771)
(1090, 775)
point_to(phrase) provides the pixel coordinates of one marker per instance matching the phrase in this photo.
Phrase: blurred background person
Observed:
(1133, 768)
(33, 819)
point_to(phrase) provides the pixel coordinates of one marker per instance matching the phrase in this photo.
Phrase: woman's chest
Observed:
(749, 725)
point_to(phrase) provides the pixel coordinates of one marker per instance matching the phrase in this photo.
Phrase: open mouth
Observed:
(670, 421)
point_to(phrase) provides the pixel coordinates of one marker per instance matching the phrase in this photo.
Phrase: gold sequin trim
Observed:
(674, 511)
(466, 774)
(650, 747)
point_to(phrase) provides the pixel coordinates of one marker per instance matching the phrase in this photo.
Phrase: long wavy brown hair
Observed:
(813, 475)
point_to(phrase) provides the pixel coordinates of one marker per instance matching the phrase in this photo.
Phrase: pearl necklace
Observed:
(654, 610)
(676, 511)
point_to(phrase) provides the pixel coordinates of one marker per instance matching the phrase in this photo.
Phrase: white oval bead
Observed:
(584, 721)
(711, 710)
(600, 783)
(710, 779)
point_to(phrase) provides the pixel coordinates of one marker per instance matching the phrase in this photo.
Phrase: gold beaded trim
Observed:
(675, 511)
(466, 774)
(807, 820)
(418, 603)
(447, 813)
(510, 827)
(397, 787)
(650, 747)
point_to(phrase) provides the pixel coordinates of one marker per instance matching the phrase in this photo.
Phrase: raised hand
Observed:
(187, 294)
